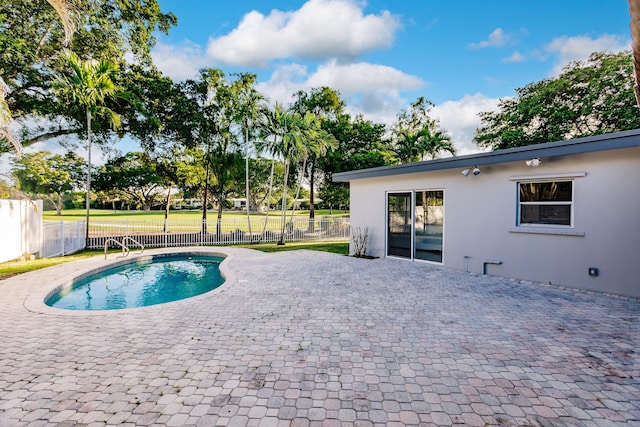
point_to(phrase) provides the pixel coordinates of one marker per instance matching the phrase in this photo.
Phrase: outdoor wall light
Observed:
(533, 162)
(475, 171)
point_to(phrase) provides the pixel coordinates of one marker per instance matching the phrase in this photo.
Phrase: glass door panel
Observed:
(399, 223)
(428, 232)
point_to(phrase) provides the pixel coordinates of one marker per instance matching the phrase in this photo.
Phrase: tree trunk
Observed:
(219, 223)
(284, 202)
(204, 202)
(246, 178)
(266, 215)
(300, 178)
(312, 209)
(88, 200)
(166, 210)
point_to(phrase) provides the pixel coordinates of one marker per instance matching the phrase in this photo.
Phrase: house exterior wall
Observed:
(481, 215)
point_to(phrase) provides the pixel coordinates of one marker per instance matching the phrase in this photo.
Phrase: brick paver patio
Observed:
(305, 338)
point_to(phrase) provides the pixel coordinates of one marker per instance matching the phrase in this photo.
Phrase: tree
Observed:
(135, 176)
(203, 122)
(588, 98)
(32, 37)
(50, 175)
(89, 86)
(288, 144)
(361, 145)
(249, 110)
(302, 137)
(273, 128)
(417, 136)
(327, 105)
(634, 12)
(65, 13)
(334, 195)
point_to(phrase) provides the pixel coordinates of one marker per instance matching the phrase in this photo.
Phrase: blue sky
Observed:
(382, 54)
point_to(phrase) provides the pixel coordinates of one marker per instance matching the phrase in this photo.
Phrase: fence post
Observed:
(78, 230)
(62, 237)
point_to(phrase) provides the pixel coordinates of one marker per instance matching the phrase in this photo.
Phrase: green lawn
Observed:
(178, 215)
(12, 268)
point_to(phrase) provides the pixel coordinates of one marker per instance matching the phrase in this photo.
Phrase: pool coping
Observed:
(35, 301)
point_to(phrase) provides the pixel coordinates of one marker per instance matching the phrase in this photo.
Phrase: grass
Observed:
(97, 214)
(13, 268)
(341, 247)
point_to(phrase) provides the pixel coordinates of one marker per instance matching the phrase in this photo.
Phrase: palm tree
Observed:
(292, 149)
(89, 85)
(66, 12)
(418, 136)
(271, 129)
(250, 110)
(317, 143)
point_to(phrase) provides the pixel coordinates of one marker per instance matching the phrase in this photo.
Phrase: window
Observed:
(545, 203)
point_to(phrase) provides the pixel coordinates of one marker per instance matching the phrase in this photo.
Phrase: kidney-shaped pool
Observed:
(147, 281)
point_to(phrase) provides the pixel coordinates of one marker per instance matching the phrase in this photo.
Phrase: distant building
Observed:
(564, 212)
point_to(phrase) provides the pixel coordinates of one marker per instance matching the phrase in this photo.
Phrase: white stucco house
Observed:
(565, 213)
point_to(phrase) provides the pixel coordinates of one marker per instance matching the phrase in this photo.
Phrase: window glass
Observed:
(546, 191)
(399, 223)
(548, 203)
(429, 222)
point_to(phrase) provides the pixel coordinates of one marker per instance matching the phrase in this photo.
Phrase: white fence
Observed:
(228, 231)
(20, 228)
(62, 238)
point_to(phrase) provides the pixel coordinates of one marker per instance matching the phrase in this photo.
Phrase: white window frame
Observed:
(538, 203)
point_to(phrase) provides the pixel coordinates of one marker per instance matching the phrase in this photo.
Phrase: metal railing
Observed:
(158, 233)
(125, 248)
(64, 237)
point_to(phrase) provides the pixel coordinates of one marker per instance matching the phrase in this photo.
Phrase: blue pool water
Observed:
(142, 283)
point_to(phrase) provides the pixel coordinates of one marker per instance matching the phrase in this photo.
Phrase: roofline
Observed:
(589, 144)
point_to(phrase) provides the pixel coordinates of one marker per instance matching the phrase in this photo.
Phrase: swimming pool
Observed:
(142, 282)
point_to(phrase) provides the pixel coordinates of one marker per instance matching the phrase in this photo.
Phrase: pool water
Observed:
(142, 283)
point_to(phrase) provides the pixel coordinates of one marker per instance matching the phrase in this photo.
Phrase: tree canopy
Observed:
(417, 136)
(33, 35)
(588, 98)
(53, 176)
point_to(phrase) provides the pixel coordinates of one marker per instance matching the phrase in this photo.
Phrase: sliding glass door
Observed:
(415, 224)
(399, 222)
(428, 230)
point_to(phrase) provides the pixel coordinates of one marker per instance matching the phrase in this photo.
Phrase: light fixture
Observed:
(465, 172)
(476, 171)
(533, 162)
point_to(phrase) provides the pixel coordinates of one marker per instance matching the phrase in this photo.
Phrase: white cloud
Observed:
(362, 76)
(461, 119)
(180, 62)
(320, 30)
(515, 57)
(370, 89)
(283, 83)
(497, 38)
(579, 48)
